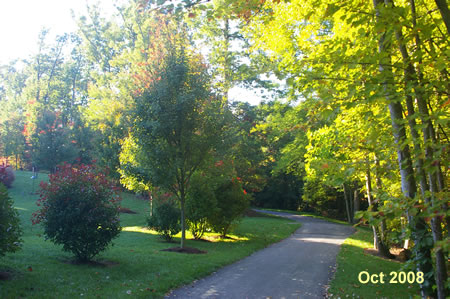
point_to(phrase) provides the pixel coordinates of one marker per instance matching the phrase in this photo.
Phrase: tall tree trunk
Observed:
(408, 183)
(356, 203)
(378, 243)
(52, 71)
(347, 208)
(379, 185)
(226, 62)
(445, 13)
(376, 240)
(352, 206)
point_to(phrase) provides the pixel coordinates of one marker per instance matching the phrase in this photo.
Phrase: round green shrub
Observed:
(79, 210)
(232, 202)
(10, 231)
(166, 218)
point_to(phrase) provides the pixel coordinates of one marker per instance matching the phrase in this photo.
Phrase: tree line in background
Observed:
(361, 135)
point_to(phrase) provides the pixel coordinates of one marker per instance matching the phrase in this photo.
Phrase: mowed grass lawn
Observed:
(134, 267)
(352, 260)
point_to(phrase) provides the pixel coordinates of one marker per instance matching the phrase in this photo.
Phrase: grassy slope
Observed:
(140, 268)
(351, 260)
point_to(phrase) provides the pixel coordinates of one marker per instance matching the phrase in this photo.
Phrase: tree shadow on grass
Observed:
(93, 263)
(8, 274)
(189, 250)
(124, 210)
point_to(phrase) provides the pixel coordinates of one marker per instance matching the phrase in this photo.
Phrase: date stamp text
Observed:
(393, 277)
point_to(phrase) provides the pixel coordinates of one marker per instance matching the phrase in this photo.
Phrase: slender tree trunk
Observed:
(226, 63)
(356, 202)
(52, 72)
(379, 185)
(150, 197)
(408, 182)
(183, 226)
(445, 13)
(352, 206)
(347, 208)
(376, 240)
(378, 243)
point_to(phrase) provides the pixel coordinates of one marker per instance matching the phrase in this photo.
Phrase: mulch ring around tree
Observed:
(189, 250)
(126, 211)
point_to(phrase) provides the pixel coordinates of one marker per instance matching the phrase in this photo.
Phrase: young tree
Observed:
(177, 120)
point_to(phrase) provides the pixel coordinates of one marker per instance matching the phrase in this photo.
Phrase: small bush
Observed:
(166, 217)
(200, 205)
(79, 210)
(7, 176)
(216, 193)
(10, 231)
(232, 202)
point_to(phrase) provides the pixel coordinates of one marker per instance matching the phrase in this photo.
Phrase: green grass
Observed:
(352, 260)
(137, 267)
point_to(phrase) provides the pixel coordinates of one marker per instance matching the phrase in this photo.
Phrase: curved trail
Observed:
(297, 267)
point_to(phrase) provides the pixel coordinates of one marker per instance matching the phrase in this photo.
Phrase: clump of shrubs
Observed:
(201, 204)
(6, 175)
(216, 200)
(79, 209)
(10, 231)
(165, 218)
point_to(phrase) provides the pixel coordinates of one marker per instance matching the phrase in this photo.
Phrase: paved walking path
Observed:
(297, 267)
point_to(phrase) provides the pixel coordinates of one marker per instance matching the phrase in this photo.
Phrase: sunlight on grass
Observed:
(230, 238)
(212, 237)
(139, 229)
(358, 243)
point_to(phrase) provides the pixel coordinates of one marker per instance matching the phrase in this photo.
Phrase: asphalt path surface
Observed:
(300, 266)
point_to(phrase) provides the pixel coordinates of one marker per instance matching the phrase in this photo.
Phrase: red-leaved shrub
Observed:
(79, 209)
(7, 175)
